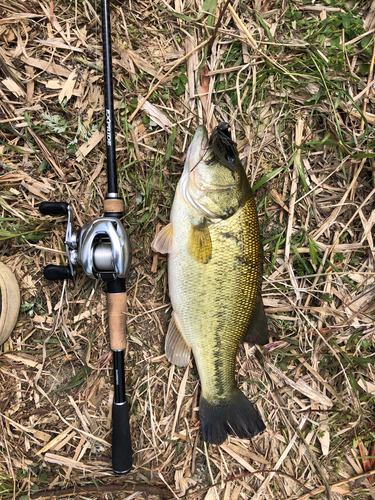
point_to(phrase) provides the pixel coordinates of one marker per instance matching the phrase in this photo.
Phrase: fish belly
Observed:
(214, 302)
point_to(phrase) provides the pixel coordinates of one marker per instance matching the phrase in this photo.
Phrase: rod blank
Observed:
(108, 100)
(116, 291)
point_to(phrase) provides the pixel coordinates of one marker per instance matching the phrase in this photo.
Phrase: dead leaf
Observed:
(155, 114)
(369, 22)
(279, 199)
(367, 464)
(68, 88)
(13, 87)
(51, 42)
(85, 149)
(46, 66)
(324, 438)
(203, 89)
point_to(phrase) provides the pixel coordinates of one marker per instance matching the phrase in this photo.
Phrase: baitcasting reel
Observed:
(101, 247)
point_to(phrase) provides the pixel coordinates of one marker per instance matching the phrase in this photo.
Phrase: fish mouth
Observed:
(203, 185)
(191, 191)
(198, 148)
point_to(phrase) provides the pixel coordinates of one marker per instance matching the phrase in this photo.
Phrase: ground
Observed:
(295, 79)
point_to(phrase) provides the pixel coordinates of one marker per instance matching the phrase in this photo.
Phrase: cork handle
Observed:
(113, 205)
(117, 308)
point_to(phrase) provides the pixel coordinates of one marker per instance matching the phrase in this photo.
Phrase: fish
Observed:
(214, 278)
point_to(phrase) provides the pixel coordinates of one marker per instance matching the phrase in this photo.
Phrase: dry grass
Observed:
(302, 107)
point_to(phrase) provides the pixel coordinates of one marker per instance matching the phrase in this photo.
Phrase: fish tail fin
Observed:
(235, 415)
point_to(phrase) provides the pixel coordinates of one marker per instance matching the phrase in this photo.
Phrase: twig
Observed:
(106, 488)
(365, 100)
(217, 25)
(336, 487)
(165, 76)
(255, 45)
(292, 204)
(248, 473)
(328, 411)
(290, 418)
(368, 197)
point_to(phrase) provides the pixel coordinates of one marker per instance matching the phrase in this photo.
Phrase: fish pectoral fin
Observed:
(257, 332)
(176, 349)
(199, 244)
(163, 241)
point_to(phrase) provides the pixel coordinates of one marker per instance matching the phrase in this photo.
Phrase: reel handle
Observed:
(53, 208)
(53, 272)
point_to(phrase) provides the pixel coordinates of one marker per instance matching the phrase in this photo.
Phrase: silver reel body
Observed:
(101, 247)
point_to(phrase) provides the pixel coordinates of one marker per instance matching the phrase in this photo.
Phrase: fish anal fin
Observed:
(163, 241)
(257, 332)
(199, 244)
(176, 349)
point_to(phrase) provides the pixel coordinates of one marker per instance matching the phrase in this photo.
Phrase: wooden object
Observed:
(113, 205)
(117, 308)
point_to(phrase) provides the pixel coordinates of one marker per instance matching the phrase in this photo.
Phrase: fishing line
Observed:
(202, 158)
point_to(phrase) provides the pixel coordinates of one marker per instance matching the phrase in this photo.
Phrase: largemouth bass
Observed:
(214, 277)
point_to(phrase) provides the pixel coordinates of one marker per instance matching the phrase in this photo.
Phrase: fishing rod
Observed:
(103, 250)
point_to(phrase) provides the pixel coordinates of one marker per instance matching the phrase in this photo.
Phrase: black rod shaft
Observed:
(119, 376)
(108, 100)
(121, 439)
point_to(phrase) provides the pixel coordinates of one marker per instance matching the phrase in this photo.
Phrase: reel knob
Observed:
(52, 272)
(53, 208)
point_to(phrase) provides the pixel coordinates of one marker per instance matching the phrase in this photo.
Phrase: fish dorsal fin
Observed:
(176, 349)
(163, 241)
(257, 332)
(199, 245)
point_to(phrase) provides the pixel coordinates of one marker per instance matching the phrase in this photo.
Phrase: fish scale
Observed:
(210, 327)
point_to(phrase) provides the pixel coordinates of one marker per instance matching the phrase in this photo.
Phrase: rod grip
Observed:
(117, 308)
(121, 441)
(113, 205)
